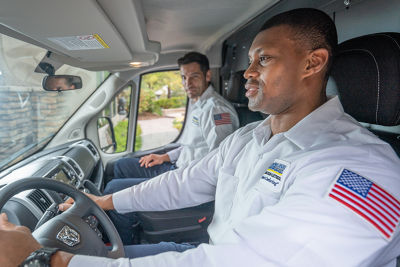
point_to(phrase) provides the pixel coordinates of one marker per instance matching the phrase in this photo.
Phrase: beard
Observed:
(255, 102)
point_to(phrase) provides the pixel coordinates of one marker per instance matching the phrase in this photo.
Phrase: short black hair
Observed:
(197, 57)
(69, 81)
(313, 28)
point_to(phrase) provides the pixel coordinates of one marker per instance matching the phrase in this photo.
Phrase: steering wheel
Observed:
(69, 231)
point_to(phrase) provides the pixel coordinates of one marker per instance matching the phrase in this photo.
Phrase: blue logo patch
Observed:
(195, 121)
(274, 174)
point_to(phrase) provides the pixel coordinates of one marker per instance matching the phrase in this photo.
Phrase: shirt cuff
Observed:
(80, 260)
(121, 200)
(174, 154)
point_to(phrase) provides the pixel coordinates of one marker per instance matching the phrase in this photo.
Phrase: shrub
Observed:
(177, 123)
(138, 142)
(121, 130)
(146, 101)
(173, 102)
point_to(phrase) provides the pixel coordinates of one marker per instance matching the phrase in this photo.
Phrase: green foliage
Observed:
(173, 102)
(156, 80)
(121, 131)
(152, 82)
(177, 123)
(138, 142)
(146, 101)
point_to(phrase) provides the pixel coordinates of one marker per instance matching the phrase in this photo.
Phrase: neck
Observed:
(286, 120)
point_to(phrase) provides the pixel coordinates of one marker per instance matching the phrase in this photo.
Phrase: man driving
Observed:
(273, 181)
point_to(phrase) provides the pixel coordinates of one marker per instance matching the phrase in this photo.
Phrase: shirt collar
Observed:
(206, 95)
(262, 131)
(306, 131)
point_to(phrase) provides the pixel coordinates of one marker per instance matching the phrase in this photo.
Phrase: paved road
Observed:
(157, 132)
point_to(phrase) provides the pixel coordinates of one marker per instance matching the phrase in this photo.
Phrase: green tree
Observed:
(121, 131)
(153, 82)
(156, 80)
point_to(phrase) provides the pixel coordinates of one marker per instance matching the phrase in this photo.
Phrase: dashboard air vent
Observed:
(92, 149)
(40, 199)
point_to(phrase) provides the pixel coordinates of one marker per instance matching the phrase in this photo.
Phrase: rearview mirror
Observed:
(61, 82)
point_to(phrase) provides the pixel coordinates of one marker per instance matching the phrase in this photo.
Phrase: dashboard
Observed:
(77, 164)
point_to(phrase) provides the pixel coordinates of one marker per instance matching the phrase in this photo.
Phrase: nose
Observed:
(186, 82)
(251, 71)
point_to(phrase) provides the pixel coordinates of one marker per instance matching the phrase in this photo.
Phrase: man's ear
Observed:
(316, 62)
(208, 76)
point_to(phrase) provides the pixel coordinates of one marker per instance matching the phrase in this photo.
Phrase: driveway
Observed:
(157, 132)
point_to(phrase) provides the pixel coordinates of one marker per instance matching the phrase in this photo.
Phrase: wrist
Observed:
(61, 259)
(106, 202)
(40, 257)
(166, 158)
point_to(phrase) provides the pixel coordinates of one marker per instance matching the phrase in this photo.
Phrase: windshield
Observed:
(29, 115)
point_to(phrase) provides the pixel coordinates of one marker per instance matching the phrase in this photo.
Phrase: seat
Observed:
(234, 91)
(366, 71)
(190, 224)
(187, 225)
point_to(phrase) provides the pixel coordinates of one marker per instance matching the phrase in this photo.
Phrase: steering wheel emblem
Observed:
(69, 236)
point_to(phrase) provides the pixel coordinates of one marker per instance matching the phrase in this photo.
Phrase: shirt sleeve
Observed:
(174, 154)
(305, 228)
(191, 185)
(204, 255)
(219, 122)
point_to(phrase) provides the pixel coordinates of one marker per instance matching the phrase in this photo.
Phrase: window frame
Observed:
(137, 111)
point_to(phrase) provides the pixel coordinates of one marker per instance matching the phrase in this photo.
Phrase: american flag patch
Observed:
(370, 201)
(222, 118)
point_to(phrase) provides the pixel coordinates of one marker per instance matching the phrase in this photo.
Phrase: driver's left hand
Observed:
(16, 243)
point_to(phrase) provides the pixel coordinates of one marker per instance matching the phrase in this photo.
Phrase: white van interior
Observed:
(112, 46)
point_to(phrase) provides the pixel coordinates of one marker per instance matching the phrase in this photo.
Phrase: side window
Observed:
(113, 124)
(162, 109)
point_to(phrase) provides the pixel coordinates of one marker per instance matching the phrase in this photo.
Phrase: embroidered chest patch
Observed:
(222, 118)
(368, 200)
(275, 174)
(195, 121)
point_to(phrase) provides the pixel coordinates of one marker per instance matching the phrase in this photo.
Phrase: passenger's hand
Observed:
(153, 160)
(104, 202)
(16, 243)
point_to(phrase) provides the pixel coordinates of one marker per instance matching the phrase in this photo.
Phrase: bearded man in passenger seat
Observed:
(210, 119)
(274, 182)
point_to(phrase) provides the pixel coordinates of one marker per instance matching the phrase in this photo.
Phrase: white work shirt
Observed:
(209, 121)
(284, 220)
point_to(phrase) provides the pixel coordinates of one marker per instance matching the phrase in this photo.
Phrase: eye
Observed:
(263, 60)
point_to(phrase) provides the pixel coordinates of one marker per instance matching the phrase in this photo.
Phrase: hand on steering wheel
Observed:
(69, 231)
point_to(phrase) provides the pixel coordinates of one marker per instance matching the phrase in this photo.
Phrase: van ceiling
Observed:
(134, 30)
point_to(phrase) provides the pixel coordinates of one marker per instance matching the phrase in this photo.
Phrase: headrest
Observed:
(366, 70)
(235, 91)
